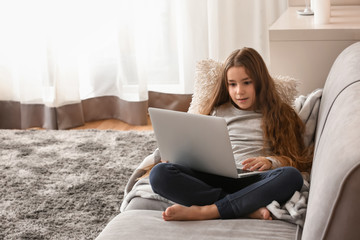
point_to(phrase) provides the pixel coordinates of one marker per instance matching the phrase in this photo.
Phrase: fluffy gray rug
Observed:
(65, 184)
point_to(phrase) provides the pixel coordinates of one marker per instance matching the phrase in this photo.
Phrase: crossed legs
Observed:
(204, 196)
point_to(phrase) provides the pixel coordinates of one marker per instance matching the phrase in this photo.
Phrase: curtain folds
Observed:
(64, 63)
(15, 115)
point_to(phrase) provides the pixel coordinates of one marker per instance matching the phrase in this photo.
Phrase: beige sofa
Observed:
(333, 210)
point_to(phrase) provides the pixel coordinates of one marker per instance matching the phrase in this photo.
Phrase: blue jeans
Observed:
(234, 198)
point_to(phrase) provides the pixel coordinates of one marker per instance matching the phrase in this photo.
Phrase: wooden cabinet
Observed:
(306, 51)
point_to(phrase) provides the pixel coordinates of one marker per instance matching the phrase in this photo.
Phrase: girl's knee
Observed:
(156, 173)
(294, 177)
(160, 175)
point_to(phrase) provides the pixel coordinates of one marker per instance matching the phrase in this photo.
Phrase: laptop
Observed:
(197, 141)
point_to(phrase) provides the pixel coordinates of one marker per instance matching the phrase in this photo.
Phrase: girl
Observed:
(266, 134)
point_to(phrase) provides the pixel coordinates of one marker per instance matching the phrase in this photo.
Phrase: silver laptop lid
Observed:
(204, 138)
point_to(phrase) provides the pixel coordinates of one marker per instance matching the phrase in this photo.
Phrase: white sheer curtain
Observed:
(66, 62)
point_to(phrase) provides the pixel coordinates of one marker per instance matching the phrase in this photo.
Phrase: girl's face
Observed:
(241, 88)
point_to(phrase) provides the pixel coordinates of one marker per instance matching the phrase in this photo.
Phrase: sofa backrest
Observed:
(333, 205)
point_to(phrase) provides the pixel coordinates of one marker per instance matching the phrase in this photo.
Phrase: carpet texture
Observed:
(65, 184)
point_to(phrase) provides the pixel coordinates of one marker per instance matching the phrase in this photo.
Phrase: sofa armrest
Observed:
(333, 211)
(346, 210)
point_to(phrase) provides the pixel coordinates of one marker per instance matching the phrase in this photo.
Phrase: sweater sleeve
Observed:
(275, 163)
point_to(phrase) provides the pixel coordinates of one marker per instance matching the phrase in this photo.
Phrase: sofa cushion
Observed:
(147, 224)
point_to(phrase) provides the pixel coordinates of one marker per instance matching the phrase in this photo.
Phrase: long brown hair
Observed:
(282, 128)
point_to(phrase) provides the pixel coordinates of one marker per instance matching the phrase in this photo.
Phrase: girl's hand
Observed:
(257, 163)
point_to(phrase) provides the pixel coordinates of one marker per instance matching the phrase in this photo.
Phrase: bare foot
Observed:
(261, 213)
(180, 213)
